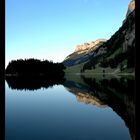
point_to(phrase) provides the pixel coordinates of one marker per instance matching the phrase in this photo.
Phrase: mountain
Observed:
(131, 7)
(110, 56)
(82, 52)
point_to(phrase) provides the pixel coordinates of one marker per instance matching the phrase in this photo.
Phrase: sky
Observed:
(51, 29)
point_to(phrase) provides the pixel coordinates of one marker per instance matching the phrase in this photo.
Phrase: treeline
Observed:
(129, 56)
(117, 60)
(35, 67)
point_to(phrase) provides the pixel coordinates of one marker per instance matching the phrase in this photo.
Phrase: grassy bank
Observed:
(99, 70)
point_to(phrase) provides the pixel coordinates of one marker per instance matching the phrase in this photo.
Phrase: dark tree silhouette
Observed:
(35, 67)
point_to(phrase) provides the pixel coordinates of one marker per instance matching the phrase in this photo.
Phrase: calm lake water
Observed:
(78, 109)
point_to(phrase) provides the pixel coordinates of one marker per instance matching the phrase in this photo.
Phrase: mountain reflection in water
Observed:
(117, 93)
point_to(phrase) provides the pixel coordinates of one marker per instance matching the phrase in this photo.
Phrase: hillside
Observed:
(116, 55)
(83, 53)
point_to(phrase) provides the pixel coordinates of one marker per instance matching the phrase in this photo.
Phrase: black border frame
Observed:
(2, 70)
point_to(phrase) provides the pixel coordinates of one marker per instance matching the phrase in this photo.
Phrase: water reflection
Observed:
(117, 93)
(33, 83)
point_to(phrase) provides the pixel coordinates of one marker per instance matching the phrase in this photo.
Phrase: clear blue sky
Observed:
(51, 29)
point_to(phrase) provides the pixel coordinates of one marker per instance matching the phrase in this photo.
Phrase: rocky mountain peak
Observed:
(131, 7)
(90, 45)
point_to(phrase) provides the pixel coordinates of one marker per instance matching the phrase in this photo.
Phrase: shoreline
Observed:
(123, 74)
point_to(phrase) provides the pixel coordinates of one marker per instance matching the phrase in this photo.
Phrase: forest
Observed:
(34, 67)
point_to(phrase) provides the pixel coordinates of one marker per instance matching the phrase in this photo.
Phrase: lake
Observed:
(80, 108)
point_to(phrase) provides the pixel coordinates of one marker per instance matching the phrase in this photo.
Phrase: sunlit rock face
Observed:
(131, 7)
(83, 52)
(90, 45)
(88, 99)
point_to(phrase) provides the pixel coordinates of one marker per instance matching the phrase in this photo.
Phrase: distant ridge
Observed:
(83, 52)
